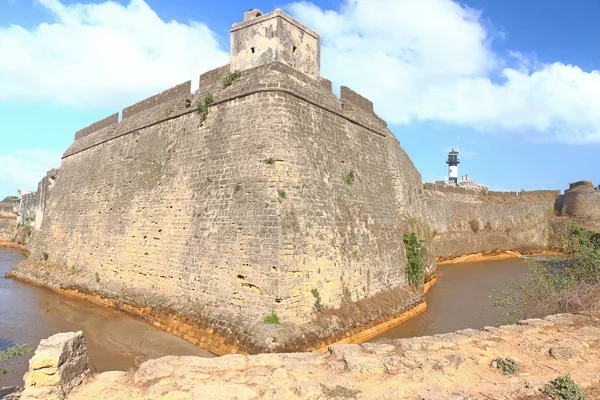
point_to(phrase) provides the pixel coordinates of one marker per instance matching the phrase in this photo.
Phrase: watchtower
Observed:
(264, 38)
(453, 162)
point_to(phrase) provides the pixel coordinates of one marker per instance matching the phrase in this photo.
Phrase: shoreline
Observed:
(7, 244)
(492, 256)
(208, 339)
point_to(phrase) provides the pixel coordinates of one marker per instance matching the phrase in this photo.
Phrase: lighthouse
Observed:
(453, 162)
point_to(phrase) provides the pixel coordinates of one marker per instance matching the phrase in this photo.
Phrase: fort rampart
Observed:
(282, 200)
(464, 223)
(582, 200)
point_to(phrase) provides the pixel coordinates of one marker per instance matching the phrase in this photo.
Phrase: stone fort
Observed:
(265, 194)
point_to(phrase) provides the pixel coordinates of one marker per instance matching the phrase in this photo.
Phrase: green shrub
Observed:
(349, 177)
(208, 99)
(202, 109)
(15, 351)
(558, 284)
(44, 256)
(168, 111)
(269, 161)
(231, 77)
(237, 188)
(508, 366)
(202, 106)
(563, 388)
(272, 318)
(488, 225)
(415, 252)
(97, 275)
(281, 193)
(318, 306)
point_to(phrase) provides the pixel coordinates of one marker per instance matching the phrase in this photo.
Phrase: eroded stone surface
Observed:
(59, 364)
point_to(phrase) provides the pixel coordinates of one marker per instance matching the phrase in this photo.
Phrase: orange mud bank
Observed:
(492, 256)
(12, 245)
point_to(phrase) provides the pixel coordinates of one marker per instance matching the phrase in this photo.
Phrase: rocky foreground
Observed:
(458, 365)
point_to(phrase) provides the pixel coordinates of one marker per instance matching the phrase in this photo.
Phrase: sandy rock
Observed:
(155, 369)
(223, 392)
(564, 353)
(378, 348)
(364, 365)
(59, 364)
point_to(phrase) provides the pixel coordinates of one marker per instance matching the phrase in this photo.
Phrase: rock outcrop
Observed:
(456, 365)
(59, 364)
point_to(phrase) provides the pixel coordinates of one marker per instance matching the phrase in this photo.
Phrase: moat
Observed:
(28, 314)
(462, 298)
(115, 342)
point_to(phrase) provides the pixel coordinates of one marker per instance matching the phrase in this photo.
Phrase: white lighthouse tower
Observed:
(453, 162)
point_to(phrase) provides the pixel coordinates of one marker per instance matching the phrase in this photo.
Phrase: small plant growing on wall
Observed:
(168, 111)
(415, 252)
(231, 77)
(97, 277)
(349, 177)
(281, 193)
(44, 256)
(202, 106)
(269, 161)
(318, 306)
(237, 188)
(272, 318)
(488, 225)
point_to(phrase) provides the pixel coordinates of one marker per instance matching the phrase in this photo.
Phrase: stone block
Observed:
(59, 364)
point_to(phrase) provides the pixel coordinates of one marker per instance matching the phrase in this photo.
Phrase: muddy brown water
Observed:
(462, 298)
(115, 341)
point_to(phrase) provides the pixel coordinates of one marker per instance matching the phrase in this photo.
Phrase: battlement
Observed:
(581, 185)
(109, 121)
(263, 38)
(349, 95)
(181, 90)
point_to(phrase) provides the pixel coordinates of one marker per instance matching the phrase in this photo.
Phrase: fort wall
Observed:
(582, 200)
(174, 212)
(464, 224)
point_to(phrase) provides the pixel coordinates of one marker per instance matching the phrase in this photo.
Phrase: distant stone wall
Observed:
(26, 210)
(468, 224)
(8, 228)
(42, 194)
(582, 200)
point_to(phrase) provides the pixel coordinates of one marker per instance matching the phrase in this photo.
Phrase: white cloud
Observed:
(432, 60)
(102, 55)
(24, 168)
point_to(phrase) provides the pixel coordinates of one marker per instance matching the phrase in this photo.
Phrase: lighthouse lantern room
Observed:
(453, 162)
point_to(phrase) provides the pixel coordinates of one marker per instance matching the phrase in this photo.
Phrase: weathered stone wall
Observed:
(170, 210)
(8, 228)
(582, 200)
(42, 194)
(26, 208)
(459, 224)
(275, 37)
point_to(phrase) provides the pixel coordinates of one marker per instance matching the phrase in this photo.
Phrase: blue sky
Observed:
(512, 84)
